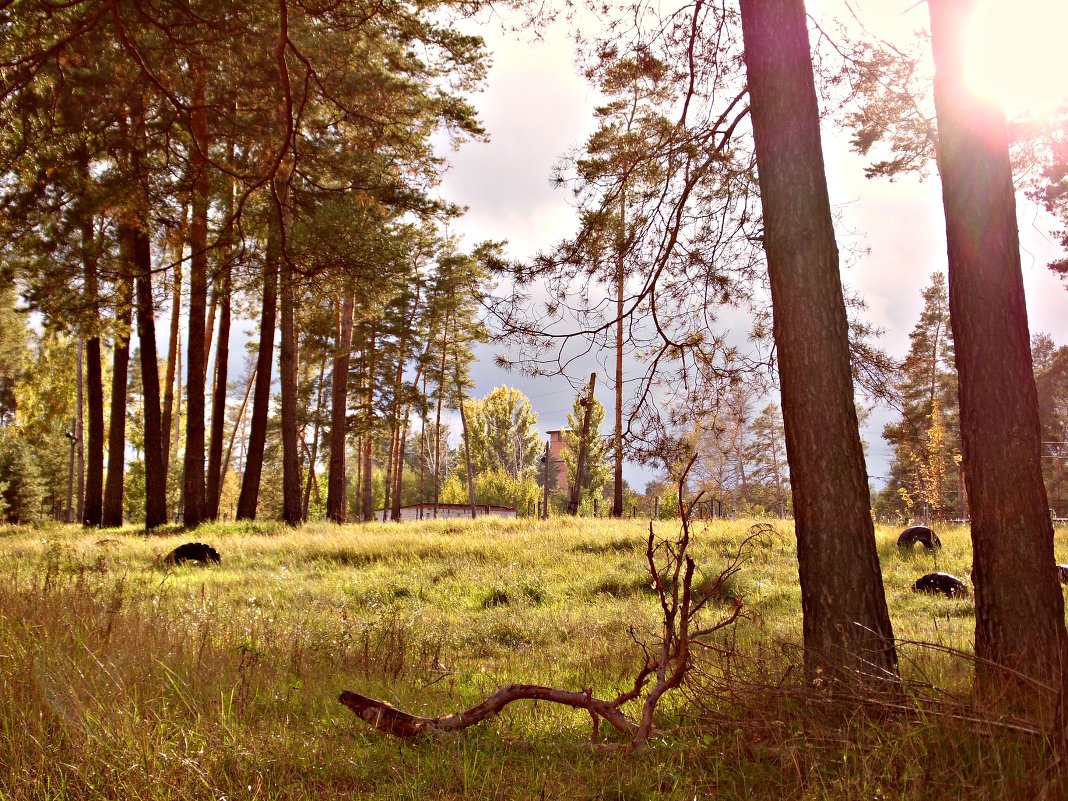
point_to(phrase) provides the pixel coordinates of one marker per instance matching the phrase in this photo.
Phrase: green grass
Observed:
(122, 678)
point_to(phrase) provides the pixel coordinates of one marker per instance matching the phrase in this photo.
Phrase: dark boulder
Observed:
(918, 534)
(942, 583)
(193, 552)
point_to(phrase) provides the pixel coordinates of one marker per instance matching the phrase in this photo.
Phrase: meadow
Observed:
(122, 677)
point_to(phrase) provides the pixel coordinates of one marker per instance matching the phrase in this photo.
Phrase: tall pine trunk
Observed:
(367, 474)
(79, 435)
(398, 486)
(467, 444)
(113, 487)
(400, 413)
(261, 396)
(136, 241)
(218, 401)
(848, 638)
(437, 416)
(196, 347)
(335, 480)
(287, 368)
(1021, 647)
(173, 343)
(621, 284)
(92, 505)
(313, 454)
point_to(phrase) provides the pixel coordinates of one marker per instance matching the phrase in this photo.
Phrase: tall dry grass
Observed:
(121, 678)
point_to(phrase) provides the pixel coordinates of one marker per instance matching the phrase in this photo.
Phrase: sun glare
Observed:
(1015, 54)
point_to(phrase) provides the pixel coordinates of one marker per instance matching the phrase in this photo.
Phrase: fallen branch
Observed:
(665, 665)
(387, 718)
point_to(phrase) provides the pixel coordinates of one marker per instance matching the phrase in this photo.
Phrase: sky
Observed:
(536, 108)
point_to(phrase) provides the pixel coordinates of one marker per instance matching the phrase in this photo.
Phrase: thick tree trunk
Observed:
(136, 241)
(196, 347)
(261, 396)
(335, 480)
(287, 368)
(92, 508)
(113, 487)
(1020, 640)
(79, 437)
(847, 633)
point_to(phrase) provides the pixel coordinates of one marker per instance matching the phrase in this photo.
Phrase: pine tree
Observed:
(1020, 637)
(926, 440)
(848, 636)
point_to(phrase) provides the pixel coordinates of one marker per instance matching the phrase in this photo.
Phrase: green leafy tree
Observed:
(502, 433)
(496, 487)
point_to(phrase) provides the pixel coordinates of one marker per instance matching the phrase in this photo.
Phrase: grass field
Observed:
(123, 678)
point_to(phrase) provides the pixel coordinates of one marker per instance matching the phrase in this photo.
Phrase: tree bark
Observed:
(173, 344)
(79, 436)
(467, 444)
(398, 488)
(237, 423)
(1020, 640)
(367, 511)
(218, 401)
(92, 508)
(394, 476)
(848, 638)
(437, 418)
(136, 240)
(261, 396)
(113, 487)
(335, 480)
(313, 455)
(196, 349)
(621, 284)
(287, 369)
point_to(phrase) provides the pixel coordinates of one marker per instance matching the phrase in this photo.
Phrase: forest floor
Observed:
(121, 677)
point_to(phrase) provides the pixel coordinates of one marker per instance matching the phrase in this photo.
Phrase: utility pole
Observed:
(545, 488)
(580, 464)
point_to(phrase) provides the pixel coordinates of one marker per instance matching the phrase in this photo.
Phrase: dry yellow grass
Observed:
(120, 677)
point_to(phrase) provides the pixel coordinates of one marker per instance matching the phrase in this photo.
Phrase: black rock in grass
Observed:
(943, 583)
(918, 534)
(193, 552)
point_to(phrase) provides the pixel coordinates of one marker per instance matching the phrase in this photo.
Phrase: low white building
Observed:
(438, 511)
